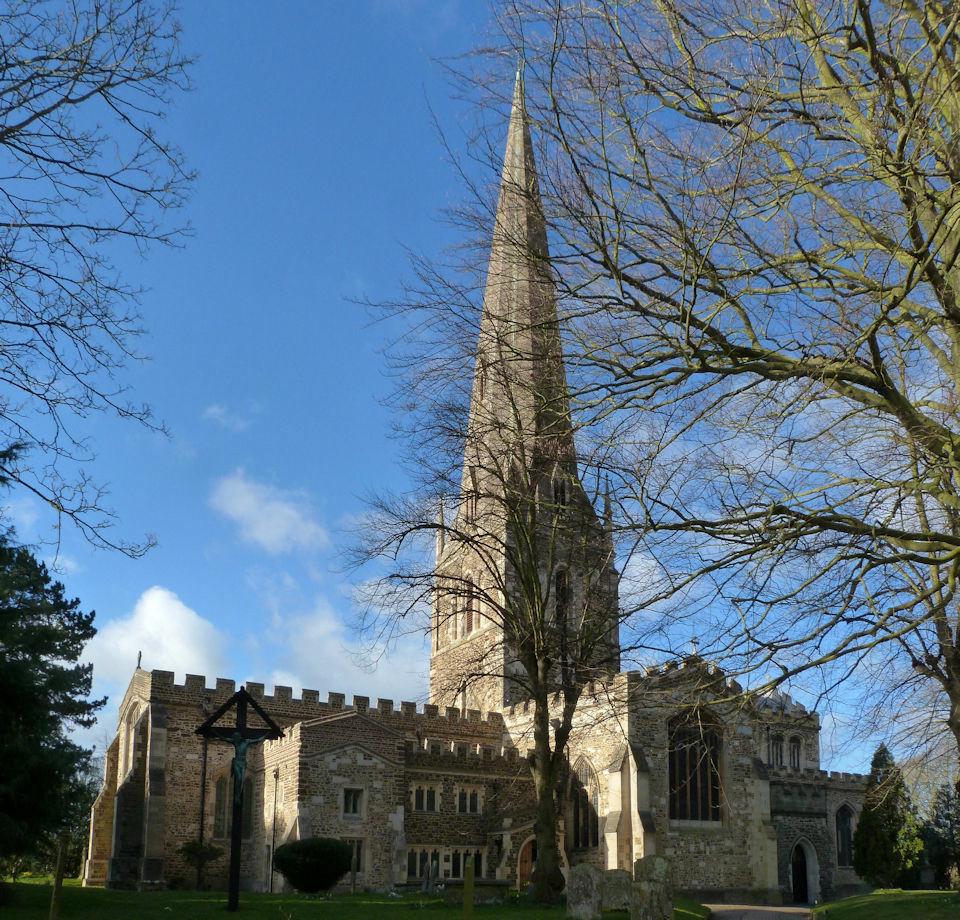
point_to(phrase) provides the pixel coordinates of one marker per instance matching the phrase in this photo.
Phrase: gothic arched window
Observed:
(796, 752)
(845, 836)
(694, 765)
(585, 796)
(221, 808)
(775, 751)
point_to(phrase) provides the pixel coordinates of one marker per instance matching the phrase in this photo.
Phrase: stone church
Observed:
(737, 802)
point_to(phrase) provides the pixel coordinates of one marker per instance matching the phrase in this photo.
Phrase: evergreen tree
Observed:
(44, 690)
(887, 841)
(944, 831)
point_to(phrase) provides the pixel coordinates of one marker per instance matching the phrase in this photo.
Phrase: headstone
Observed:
(616, 889)
(583, 892)
(652, 890)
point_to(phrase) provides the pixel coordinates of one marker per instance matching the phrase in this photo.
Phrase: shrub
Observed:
(314, 864)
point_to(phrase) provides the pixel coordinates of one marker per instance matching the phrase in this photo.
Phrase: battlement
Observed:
(808, 774)
(308, 705)
(484, 760)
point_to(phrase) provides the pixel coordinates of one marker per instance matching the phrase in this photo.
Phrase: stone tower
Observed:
(525, 550)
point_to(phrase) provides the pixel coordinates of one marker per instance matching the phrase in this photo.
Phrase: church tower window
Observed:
(560, 493)
(775, 751)
(585, 800)
(470, 617)
(796, 751)
(562, 600)
(694, 765)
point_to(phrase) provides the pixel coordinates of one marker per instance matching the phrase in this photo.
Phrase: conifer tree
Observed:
(887, 841)
(944, 832)
(44, 690)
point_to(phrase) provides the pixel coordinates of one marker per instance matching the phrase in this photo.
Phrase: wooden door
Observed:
(528, 858)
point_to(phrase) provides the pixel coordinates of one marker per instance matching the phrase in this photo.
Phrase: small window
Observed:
(418, 799)
(796, 749)
(468, 801)
(356, 863)
(560, 493)
(431, 799)
(352, 802)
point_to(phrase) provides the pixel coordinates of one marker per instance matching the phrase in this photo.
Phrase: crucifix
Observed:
(241, 736)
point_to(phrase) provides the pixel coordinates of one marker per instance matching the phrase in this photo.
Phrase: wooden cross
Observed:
(241, 736)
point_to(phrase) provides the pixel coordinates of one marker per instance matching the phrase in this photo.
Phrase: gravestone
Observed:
(616, 889)
(652, 890)
(583, 892)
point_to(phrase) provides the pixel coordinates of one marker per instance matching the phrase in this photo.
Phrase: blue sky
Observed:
(310, 127)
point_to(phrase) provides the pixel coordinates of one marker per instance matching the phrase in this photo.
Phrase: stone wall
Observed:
(100, 845)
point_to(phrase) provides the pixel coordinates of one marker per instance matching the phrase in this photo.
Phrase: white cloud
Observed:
(226, 418)
(319, 653)
(170, 634)
(276, 520)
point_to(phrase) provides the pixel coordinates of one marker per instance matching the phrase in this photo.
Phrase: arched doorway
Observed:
(804, 873)
(526, 862)
(798, 869)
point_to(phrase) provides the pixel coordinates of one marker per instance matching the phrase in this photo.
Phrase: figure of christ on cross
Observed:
(241, 737)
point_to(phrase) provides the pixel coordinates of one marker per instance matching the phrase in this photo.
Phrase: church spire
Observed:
(519, 388)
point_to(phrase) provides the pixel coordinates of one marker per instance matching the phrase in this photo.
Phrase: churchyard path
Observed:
(745, 912)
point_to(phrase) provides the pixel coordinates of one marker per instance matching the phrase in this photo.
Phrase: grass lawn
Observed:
(31, 901)
(894, 905)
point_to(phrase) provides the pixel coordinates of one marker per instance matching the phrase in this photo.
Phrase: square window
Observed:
(352, 801)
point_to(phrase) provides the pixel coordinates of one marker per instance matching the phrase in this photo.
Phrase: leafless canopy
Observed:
(83, 88)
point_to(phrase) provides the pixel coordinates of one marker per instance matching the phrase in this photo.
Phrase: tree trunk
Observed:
(58, 877)
(547, 878)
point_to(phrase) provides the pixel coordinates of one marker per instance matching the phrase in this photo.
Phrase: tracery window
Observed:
(694, 765)
(796, 752)
(845, 836)
(585, 801)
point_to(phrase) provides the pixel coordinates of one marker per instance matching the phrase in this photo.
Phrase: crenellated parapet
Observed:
(197, 690)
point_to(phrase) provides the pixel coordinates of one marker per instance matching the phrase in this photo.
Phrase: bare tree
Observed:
(754, 209)
(83, 88)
